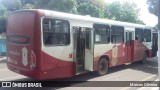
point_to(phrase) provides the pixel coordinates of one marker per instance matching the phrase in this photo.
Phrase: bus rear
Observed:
(20, 43)
(34, 50)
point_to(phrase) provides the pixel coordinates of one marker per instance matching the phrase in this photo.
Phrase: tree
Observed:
(3, 14)
(57, 5)
(125, 11)
(11, 5)
(85, 9)
(93, 8)
(152, 6)
(3, 11)
(7, 6)
(27, 4)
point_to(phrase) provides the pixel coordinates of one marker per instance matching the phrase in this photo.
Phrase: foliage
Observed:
(152, 6)
(3, 11)
(3, 15)
(7, 6)
(93, 8)
(57, 5)
(2, 25)
(11, 5)
(125, 11)
(85, 9)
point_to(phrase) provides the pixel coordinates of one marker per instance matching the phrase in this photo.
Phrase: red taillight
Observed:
(33, 60)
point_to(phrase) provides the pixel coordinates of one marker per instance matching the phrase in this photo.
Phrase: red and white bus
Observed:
(45, 44)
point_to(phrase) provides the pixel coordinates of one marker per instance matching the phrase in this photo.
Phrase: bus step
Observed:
(82, 72)
(80, 68)
(128, 63)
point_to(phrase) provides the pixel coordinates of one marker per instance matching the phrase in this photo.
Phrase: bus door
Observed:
(83, 49)
(154, 44)
(129, 46)
(89, 48)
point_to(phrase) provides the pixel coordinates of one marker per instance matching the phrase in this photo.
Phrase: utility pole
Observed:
(158, 8)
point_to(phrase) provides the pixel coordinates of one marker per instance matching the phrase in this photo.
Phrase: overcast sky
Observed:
(145, 16)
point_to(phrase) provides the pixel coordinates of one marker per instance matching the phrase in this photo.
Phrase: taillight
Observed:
(33, 60)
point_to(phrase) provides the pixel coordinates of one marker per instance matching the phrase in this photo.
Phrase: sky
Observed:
(148, 18)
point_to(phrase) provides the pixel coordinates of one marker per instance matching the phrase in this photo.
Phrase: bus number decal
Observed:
(25, 56)
(114, 55)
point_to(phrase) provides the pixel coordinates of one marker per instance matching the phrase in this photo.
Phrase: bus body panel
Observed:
(114, 52)
(24, 42)
(20, 38)
(56, 68)
(117, 55)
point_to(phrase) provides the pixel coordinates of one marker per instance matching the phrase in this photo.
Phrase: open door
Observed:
(89, 48)
(129, 46)
(83, 49)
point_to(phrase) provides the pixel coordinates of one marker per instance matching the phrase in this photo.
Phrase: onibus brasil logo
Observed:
(19, 84)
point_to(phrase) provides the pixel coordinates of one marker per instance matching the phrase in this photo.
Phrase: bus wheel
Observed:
(102, 66)
(144, 61)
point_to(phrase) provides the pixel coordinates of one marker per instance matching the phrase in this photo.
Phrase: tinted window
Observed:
(102, 34)
(55, 32)
(147, 35)
(139, 34)
(117, 34)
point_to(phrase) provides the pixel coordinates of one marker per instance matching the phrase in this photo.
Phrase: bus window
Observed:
(102, 34)
(55, 32)
(147, 35)
(139, 34)
(117, 34)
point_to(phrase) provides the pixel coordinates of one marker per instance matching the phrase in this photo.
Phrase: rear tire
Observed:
(102, 67)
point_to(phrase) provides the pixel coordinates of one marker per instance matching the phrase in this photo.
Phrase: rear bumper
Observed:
(55, 73)
(23, 71)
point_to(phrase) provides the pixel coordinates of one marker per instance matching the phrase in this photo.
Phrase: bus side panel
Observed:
(139, 50)
(56, 68)
(115, 54)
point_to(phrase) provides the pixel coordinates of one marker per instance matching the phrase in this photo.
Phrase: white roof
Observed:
(88, 19)
(91, 19)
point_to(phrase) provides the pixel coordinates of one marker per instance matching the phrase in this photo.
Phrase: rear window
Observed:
(19, 39)
(56, 32)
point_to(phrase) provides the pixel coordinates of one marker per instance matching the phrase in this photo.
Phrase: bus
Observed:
(45, 44)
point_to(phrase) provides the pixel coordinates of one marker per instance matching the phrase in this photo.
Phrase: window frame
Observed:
(42, 30)
(144, 35)
(114, 26)
(106, 26)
